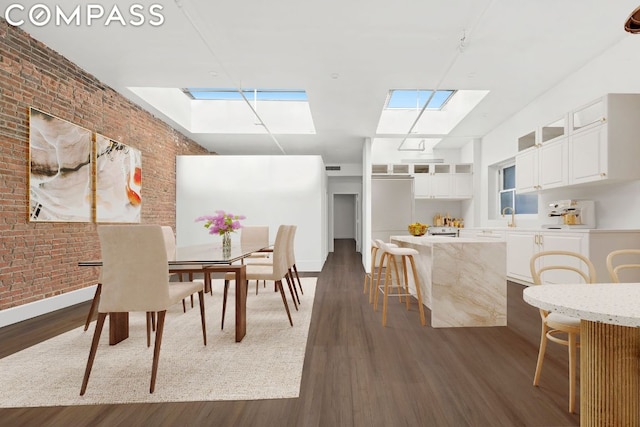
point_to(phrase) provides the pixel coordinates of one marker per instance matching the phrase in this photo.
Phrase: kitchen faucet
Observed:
(513, 216)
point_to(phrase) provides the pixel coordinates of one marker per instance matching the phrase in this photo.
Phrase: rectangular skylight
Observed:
(251, 94)
(416, 98)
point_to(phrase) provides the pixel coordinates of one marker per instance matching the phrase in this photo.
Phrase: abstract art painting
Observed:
(118, 181)
(59, 169)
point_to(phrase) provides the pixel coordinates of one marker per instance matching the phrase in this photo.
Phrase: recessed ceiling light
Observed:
(213, 73)
(334, 76)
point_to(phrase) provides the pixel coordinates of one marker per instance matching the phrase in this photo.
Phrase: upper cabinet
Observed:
(434, 180)
(443, 181)
(583, 146)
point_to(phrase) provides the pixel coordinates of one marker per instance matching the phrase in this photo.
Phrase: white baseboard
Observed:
(37, 308)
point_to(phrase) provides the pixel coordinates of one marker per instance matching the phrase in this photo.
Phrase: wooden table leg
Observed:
(609, 375)
(241, 303)
(118, 327)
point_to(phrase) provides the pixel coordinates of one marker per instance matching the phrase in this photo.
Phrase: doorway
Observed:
(346, 218)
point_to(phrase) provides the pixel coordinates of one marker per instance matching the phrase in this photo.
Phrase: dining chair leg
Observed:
(224, 302)
(541, 351)
(278, 284)
(156, 349)
(191, 280)
(293, 297)
(295, 270)
(293, 282)
(184, 306)
(94, 305)
(92, 352)
(204, 327)
(148, 328)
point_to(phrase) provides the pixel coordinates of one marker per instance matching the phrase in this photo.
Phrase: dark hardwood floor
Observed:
(357, 373)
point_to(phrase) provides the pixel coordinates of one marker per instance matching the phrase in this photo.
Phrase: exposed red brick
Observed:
(39, 260)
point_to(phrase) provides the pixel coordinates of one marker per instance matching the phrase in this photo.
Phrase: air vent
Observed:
(332, 168)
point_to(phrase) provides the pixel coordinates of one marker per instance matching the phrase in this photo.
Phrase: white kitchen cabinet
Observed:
(592, 243)
(433, 181)
(543, 166)
(522, 245)
(603, 141)
(527, 170)
(599, 146)
(462, 181)
(554, 164)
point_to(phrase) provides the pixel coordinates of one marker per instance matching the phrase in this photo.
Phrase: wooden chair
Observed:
(556, 327)
(135, 277)
(275, 271)
(390, 253)
(615, 257)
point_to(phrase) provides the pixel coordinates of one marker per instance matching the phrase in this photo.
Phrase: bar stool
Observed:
(390, 252)
(368, 277)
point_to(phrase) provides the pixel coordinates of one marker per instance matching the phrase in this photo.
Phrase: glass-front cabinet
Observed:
(589, 115)
(553, 130)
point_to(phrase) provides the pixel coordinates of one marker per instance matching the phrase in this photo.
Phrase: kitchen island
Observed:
(463, 280)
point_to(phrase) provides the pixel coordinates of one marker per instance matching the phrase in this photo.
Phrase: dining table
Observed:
(609, 316)
(205, 259)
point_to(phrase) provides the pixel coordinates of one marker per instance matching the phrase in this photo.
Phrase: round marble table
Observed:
(609, 346)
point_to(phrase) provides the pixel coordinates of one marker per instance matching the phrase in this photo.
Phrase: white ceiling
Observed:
(516, 49)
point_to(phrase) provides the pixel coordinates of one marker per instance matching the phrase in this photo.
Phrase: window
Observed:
(520, 203)
(250, 94)
(416, 98)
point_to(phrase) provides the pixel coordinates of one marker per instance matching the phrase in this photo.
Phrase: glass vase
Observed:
(226, 244)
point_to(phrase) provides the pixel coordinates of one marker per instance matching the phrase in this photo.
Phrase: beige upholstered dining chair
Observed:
(170, 245)
(275, 271)
(556, 327)
(255, 235)
(390, 254)
(614, 263)
(137, 280)
(292, 270)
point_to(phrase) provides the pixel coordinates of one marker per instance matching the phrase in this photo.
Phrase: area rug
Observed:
(267, 364)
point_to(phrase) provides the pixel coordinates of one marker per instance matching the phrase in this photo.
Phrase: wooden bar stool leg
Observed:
(377, 290)
(386, 292)
(406, 282)
(380, 268)
(423, 320)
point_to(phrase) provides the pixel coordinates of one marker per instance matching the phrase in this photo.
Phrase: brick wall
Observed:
(39, 260)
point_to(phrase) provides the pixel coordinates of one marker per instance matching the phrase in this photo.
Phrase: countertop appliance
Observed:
(568, 214)
(443, 231)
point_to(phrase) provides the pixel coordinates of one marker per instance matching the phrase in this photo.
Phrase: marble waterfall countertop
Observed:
(463, 280)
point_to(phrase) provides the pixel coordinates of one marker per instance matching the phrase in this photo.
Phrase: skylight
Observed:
(416, 98)
(251, 94)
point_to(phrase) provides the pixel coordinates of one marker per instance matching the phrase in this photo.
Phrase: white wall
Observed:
(268, 190)
(615, 71)
(344, 214)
